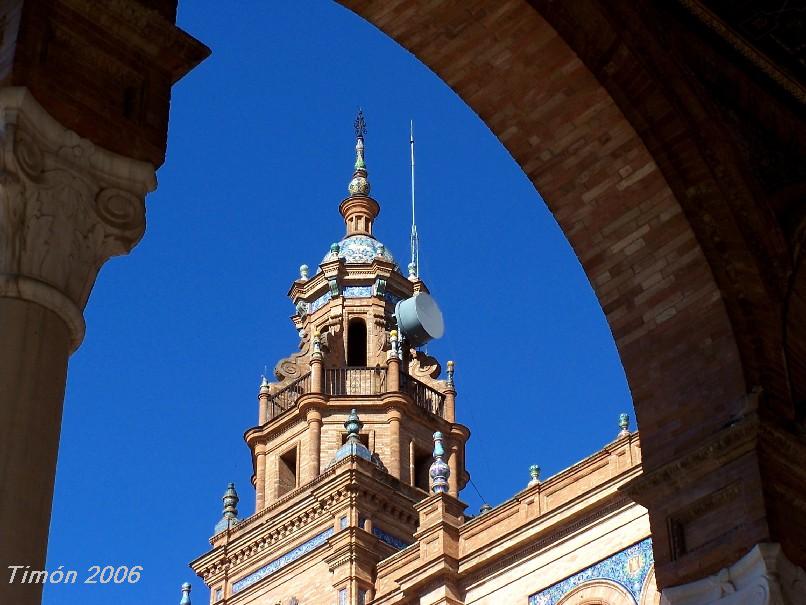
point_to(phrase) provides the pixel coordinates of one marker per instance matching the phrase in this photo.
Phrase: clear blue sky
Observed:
(260, 152)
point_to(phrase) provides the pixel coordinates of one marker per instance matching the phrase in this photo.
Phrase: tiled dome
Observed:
(360, 249)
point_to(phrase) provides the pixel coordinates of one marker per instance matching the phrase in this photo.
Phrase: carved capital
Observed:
(764, 576)
(66, 206)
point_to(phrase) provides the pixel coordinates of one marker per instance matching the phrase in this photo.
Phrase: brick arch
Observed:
(689, 270)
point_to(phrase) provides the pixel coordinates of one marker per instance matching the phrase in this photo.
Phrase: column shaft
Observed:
(314, 445)
(260, 478)
(394, 443)
(453, 465)
(33, 371)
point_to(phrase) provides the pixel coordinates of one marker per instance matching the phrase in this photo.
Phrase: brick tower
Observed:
(343, 444)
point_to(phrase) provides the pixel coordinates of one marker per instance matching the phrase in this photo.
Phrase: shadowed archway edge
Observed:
(689, 271)
(607, 194)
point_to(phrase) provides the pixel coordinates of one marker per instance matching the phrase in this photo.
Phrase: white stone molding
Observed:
(598, 591)
(763, 576)
(66, 206)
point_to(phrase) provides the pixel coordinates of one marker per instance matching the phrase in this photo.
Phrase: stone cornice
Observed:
(280, 524)
(729, 443)
(533, 522)
(145, 29)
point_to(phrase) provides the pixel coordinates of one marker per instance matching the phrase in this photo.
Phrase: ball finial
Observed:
(624, 424)
(185, 594)
(303, 272)
(534, 473)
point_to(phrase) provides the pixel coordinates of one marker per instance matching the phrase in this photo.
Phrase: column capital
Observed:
(764, 576)
(66, 206)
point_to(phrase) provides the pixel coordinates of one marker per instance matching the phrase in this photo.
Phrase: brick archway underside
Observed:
(687, 245)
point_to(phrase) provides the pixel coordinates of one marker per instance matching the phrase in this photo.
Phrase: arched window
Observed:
(357, 343)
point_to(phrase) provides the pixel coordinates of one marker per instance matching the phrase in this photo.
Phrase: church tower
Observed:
(356, 431)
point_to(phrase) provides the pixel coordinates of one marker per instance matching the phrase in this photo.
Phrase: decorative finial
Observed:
(485, 508)
(412, 271)
(264, 382)
(230, 517)
(317, 343)
(624, 424)
(303, 272)
(359, 185)
(360, 124)
(534, 472)
(380, 250)
(450, 372)
(393, 342)
(439, 470)
(353, 425)
(231, 502)
(185, 594)
(334, 250)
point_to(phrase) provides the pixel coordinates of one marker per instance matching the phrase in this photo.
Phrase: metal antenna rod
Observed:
(414, 268)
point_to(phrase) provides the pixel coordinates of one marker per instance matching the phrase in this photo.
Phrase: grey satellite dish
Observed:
(419, 319)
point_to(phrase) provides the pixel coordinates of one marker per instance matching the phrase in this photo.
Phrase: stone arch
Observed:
(598, 592)
(649, 591)
(653, 194)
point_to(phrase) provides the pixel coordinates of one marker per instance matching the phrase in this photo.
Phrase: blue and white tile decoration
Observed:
(391, 540)
(319, 302)
(281, 562)
(628, 568)
(361, 249)
(357, 291)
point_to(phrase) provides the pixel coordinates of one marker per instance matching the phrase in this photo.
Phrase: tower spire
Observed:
(359, 210)
(359, 185)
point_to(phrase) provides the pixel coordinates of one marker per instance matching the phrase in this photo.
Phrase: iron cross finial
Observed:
(360, 125)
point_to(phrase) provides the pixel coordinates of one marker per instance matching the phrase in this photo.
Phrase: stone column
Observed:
(453, 465)
(393, 366)
(450, 396)
(317, 373)
(263, 402)
(66, 206)
(393, 415)
(314, 418)
(260, 478)
(412, 470)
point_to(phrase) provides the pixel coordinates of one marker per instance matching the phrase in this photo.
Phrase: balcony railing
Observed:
(344, 382)
(423, 395)
(286, 398)
(340, 382)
